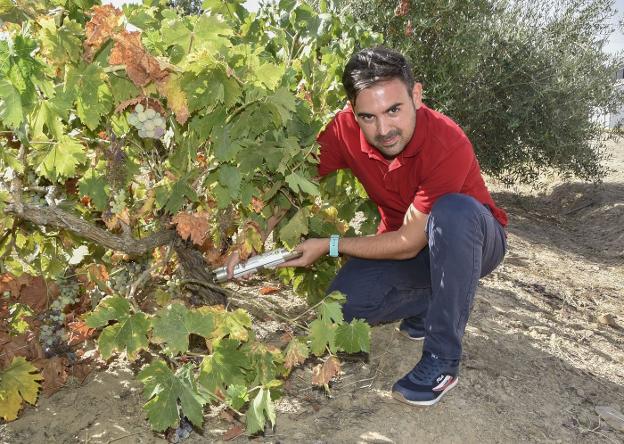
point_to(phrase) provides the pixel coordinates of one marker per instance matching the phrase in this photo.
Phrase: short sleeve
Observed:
(331, 152)
(446, 176)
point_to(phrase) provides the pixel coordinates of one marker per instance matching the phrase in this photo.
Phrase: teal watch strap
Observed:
(333, 245)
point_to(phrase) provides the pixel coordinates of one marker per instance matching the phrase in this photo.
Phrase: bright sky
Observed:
(616, 43)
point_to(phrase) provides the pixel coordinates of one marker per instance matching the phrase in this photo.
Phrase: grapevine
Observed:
(194, 135)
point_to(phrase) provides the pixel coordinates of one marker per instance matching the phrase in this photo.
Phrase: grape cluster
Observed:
(122, 278)
(150, 123)
(119, 202)
(53, 335)
(174, 287)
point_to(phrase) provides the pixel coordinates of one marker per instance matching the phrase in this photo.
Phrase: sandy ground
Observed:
(539, 356)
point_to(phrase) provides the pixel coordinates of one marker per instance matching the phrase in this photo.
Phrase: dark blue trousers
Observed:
(465, 242)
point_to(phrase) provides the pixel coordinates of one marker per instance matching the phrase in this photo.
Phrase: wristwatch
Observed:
(333, 245)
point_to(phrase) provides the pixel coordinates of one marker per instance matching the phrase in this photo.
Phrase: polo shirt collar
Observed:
(412, 148)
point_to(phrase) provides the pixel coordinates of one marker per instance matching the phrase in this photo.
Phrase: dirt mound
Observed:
(544, 347)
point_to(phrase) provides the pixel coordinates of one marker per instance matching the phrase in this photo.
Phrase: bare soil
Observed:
(539, 353)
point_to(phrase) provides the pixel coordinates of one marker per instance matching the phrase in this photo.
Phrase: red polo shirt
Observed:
(438, 160)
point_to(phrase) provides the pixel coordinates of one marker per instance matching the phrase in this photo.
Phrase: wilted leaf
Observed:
(103, 24)
(17, 382)
(323, 373)
(141, 66)
(79, 332)
(233, 432)
(260, 409)
(54, 374)
(195, 226)
(269, 290)
(176, 98)
(296, 353)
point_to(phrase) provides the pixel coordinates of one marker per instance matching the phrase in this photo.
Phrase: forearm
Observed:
(390, 245)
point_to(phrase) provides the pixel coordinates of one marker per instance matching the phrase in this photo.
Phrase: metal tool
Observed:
(267, 260)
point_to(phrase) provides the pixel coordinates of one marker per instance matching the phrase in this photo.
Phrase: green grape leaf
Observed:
(17, 313)
(225, 148)
(60, 45)
(285, 102)
(235, 324)
(330, 312)
(322, 335)
(93, 95)
(128, 334)
(11, 110)
(180, 192)
(45, 115)
(230, 178)
(18, 382)
(298, 183)
(62, 159)
(170, 395)
(353, 337)
(260, 410)
(173, 324)
(296, 227)
(175, 32)
(111, 308)
(236, 396)
(227, 365)
(122, 89)
(270, 74)
(96, 189)
(296, 353)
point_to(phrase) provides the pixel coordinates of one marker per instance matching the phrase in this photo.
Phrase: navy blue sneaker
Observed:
(412, 328)
(428, 381)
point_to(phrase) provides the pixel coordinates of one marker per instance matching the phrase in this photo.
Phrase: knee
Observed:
(454, 209)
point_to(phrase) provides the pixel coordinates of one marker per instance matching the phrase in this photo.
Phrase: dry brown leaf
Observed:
(257, 204)
(79, 332)
(233, 433)
(269, 290)
(26, 345)
(141, 67)
(38, 294)
(54, 374)
(81, 370)
(323, 373)
(195, 226)
(104, 23)
(402, 8)
(148, 102)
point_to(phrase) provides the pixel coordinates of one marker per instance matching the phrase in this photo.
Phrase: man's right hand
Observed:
(232, 261)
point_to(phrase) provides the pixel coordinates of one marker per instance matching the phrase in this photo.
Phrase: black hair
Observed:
(372, 65)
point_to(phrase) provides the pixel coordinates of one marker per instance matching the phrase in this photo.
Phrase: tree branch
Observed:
(57, 218)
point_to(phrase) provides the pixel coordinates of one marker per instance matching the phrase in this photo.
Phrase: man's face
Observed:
(387, 115)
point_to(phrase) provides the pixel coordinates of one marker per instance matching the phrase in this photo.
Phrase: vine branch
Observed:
(57, 218)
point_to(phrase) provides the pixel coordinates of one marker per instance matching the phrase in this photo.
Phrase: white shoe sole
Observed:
(399, 397)
(403, 333)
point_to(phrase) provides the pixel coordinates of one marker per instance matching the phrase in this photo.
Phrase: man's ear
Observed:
(417, 95)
